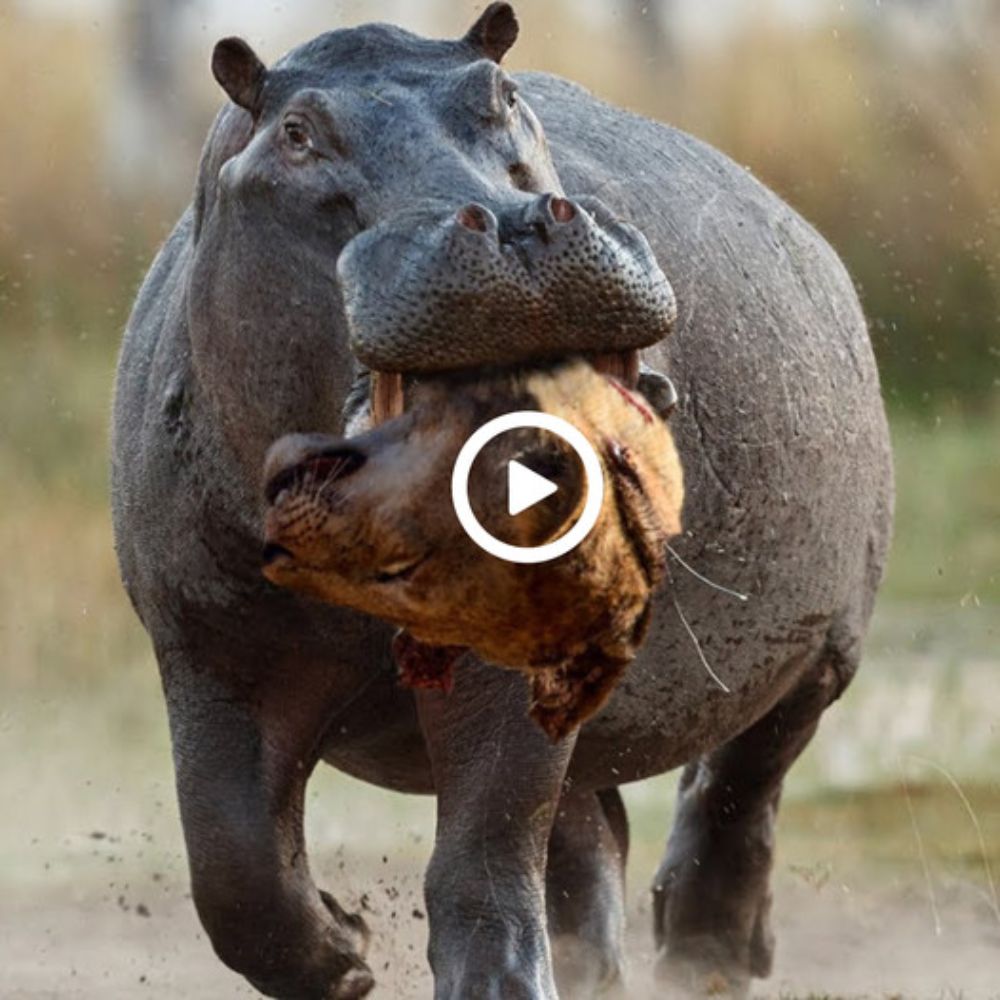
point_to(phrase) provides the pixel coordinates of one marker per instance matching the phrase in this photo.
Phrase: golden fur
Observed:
(384, 539)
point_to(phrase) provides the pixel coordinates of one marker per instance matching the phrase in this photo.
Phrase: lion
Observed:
(367, 522)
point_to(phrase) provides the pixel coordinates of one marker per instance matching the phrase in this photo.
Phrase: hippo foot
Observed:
(353, 985)
(357, 982)
(584, 972)
(491, 985)
(711, 899)
(352, 926)
(702, 967)
(714, 961)
(339, 974)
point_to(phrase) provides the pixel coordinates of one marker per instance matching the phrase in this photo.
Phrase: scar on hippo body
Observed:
(365, 522)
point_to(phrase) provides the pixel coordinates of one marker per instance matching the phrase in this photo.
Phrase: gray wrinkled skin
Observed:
(239, 336)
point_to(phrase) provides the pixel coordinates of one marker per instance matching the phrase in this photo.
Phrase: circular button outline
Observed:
(527, 554)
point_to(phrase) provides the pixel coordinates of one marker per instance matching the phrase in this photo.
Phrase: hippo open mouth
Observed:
(547, 279)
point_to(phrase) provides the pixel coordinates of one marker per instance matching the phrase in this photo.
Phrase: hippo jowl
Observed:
(378, 207)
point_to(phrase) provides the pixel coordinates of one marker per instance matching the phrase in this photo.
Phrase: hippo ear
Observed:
(495, 31)
(239, 72)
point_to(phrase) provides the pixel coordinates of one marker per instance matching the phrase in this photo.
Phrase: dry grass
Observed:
(888, 146)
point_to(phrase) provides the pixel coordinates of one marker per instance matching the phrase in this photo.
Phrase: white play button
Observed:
(525, 488)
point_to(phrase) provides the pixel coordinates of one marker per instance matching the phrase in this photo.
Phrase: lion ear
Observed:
(495, 31)
(239, 72)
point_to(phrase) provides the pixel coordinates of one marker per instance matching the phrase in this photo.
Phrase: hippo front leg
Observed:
(585, 888)
(498, 780)
(242, 765)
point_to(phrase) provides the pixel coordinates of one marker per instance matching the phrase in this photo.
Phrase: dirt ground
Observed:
(886, 875)
(834, 940)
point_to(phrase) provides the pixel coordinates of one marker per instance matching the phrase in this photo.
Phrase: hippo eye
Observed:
(509, 93)
(297, 133)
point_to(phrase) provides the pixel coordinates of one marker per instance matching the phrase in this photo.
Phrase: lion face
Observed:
(368, 523)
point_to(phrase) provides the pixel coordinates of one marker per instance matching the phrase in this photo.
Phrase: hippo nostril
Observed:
(473, 217)
(562, 209)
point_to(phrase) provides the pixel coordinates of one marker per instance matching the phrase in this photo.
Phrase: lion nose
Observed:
(315, 457)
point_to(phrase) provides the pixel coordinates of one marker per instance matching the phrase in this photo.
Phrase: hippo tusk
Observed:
(622, 365)
(387, 398)
(659, 390)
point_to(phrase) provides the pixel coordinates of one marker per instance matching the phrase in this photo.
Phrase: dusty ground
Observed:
(102, 911)
(143, 941)
(883, 874)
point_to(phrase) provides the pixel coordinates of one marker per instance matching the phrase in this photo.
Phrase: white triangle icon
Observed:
(525, 488)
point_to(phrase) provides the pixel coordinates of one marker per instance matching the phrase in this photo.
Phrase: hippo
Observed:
(377, 211)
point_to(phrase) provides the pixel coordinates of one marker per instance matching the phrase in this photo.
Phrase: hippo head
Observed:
(394, 195)
(360, 522)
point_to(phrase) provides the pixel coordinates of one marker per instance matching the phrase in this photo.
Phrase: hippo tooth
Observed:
(622, 365)
(387, 399)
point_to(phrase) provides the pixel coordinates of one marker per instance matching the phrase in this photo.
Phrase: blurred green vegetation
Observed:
(947, 542)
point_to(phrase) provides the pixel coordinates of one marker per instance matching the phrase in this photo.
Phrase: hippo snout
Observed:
(502, 284)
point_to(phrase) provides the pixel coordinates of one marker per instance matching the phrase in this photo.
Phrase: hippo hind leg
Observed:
(585, 894)
(711, 894)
